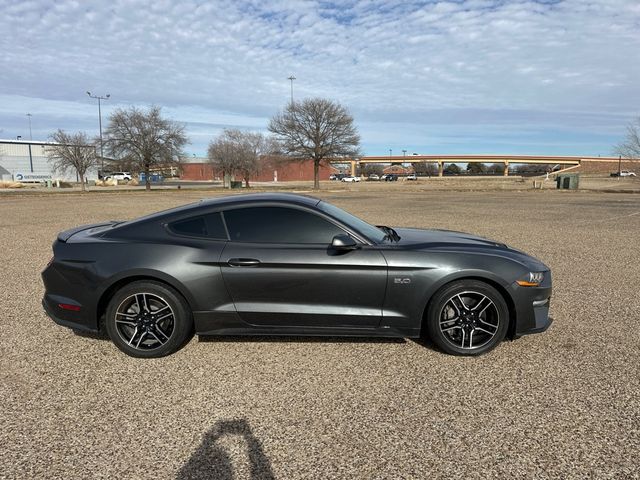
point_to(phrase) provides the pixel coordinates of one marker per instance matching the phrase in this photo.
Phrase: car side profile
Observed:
(350, 179)
(284, 264)
(119, 176)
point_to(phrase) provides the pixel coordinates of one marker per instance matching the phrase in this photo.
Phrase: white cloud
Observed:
(568, 66)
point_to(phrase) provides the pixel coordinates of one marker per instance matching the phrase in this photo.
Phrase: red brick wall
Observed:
(286, 171)
(607, 166)
(290, 171)
(197, 171)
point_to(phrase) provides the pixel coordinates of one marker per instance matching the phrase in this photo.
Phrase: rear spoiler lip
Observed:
(67, 234)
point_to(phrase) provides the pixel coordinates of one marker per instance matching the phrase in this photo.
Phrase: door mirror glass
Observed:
(343, 242)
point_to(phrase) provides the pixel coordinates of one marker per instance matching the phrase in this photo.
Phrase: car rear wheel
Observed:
(148, 319)
(467, 317)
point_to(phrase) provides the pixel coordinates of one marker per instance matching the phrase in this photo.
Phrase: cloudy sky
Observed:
(474, 76)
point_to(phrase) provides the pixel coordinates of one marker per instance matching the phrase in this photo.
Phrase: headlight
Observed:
(532, 280)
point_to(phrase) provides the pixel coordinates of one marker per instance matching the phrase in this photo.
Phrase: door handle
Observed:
(243, 262)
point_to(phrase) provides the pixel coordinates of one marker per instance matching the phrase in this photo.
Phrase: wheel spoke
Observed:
(144, 334)
(135, 332)
(450, 328)
(159, 330)
(479, 302)
(126, 315)
(489, 325)
(448, 320)
(470, 339)
(485, 331)
(464, 305)
(156, 337)
(163, 317)
(453, 304)
(131, 323)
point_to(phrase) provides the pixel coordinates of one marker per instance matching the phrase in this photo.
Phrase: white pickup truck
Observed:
(623, 173)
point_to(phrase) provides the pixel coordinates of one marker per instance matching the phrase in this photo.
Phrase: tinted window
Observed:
(210, 226)
(279, 225)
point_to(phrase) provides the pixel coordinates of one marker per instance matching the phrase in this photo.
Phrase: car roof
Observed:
(226, 201)
(262, 197)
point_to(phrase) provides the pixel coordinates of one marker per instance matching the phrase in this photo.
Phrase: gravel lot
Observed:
(562, 404)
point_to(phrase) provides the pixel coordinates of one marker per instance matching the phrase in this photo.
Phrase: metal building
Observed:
(26, 161)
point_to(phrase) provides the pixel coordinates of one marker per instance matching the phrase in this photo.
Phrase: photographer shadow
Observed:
(211, 460)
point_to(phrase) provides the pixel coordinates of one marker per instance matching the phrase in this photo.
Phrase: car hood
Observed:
(430, 240)
(418, 238)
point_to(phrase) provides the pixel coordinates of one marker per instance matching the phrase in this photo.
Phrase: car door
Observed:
(280, 270)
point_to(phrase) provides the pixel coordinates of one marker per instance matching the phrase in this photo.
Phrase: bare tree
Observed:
(630, 147)
(318, 129)
(426, 168)
(235, 151)
(145, 139)
(72, 151)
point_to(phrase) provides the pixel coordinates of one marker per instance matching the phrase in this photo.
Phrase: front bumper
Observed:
(532, 308)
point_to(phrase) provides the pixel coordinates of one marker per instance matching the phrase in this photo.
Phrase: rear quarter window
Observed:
(203, 226)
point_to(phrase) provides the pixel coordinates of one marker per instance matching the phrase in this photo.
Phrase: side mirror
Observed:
(343, 242)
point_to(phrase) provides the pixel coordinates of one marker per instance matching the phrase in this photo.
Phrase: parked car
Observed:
(391, 177)
(337, 176)
(373, 177)
(350, 178)
(412, 176)
(119, 176)
(623, 173)
(284, 264)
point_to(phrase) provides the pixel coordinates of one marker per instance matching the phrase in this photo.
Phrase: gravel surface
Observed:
(557, 405)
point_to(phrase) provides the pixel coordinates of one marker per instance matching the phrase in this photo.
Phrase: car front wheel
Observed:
(148, 319)
(467, 317)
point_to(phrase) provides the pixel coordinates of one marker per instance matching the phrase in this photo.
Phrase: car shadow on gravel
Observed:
(212, 460)
(294, 339)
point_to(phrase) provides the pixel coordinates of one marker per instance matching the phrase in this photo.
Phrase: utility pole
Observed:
(390, 151)
(30, 136)
(292, 78)
(404, 153)
(106, 97)
(619, 166)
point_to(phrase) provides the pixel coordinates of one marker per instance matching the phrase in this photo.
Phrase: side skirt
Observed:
(228, 323)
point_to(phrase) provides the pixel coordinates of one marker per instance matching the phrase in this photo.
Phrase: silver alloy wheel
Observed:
(145, 321)
(469, 320)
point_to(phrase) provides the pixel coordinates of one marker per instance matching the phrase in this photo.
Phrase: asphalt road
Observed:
(564, 404)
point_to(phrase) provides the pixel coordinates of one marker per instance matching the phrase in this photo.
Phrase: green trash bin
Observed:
(568, 181)
(236, 184)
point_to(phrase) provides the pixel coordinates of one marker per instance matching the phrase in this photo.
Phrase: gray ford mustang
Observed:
(281, 264)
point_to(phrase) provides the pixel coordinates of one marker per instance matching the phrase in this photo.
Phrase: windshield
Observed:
(372, 233)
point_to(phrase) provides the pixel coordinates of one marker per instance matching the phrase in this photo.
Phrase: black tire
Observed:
(162, 326)
(453, 321)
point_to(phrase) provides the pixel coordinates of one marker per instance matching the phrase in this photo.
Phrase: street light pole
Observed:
(292, 78)
(30, 136)
(106, 97)
(404, 153)
(390, 151)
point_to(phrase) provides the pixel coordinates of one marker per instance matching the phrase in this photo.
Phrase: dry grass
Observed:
(11, 184)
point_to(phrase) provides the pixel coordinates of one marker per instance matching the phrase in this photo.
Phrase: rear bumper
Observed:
(66, 318)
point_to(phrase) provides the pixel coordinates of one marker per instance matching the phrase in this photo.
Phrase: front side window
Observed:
(279, 225)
